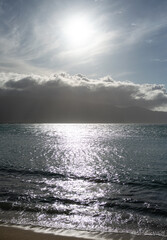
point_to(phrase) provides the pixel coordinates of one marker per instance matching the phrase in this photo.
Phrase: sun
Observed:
(78, 31)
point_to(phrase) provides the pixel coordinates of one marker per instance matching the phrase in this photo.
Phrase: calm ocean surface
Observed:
(93, 177)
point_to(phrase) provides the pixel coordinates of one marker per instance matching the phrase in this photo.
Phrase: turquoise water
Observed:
(92, 177)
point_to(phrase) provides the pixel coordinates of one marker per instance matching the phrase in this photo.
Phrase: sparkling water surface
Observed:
(95, 177)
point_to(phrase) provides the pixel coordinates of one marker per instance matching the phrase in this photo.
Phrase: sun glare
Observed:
(78, 31)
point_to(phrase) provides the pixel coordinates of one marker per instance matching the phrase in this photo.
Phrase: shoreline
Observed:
(16, 232)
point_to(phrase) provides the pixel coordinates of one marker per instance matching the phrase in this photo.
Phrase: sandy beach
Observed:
(11, 233)
(14, 233)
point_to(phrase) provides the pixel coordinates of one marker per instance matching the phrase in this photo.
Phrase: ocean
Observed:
(99, 178)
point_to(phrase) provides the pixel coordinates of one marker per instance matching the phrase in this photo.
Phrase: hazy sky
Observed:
(123, 39)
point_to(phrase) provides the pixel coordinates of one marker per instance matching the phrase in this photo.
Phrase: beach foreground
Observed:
(15, 233)
(11, 233)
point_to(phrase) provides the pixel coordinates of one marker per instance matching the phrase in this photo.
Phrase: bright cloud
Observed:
(106, 89)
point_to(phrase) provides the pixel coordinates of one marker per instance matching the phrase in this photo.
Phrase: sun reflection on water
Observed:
(76, 153)
(77, 148)
(84, 176)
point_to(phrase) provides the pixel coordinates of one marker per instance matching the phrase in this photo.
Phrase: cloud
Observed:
(106, 89)
(142, 30)
(23, 83)
(159, 60)
(56, 97)
(32, 39)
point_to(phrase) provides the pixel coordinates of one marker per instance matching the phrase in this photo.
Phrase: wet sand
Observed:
(14, 233)
(11, 233)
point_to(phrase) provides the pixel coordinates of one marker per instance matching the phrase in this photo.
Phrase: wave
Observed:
(8, 206)
(31, 172)
(135, 206)
(89, 234)
(13, 198)
(141, 182)
(27, 203)
(66, 176)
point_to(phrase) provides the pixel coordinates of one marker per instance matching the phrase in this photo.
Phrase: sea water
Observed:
(93, 177)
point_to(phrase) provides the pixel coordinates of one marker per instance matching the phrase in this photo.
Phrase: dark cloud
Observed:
(65, 98)
(24, 83)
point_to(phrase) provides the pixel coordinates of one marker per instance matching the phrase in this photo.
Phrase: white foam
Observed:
(86, 234)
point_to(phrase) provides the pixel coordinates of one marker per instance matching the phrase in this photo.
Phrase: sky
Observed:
(119, 45)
